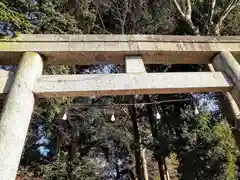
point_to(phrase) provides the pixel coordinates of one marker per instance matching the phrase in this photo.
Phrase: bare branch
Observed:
(123, 22)
(101, 20)
(194, 29)
(187, 17)
(212, 9)
(120, 14)
(189, 9)
(178, 8)
(232, 4)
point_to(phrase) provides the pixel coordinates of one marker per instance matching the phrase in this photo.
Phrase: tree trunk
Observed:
(73, 145)
(166, 169)
(144, 164)
(118, 175)
(160, 160)
(154, 135)
(72, 153)
(131, 174)
(192, 27)
(137, 143)
(150, 116)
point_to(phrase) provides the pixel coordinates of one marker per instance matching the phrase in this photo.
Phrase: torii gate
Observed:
(31, 52)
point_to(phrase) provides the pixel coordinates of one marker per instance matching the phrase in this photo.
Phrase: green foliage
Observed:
(52, 109)
(204, 146)
(53, 106)
(227, 142)
(85, 15)
(57, 70)
(55, 21)
(17, 19)
(213, 154)
(59, 169)
(231, 26)
(156, 18)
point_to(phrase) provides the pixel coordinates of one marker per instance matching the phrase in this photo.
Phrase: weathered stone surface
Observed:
(134, 64)
(6, 78)
(129, 84)
(112, 49)
(226, 63)
(16, 114)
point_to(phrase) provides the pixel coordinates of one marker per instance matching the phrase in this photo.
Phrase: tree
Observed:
(88, 140)
(213, 149)
(206, 12)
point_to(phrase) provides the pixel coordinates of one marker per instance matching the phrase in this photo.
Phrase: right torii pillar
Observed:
(230, 102)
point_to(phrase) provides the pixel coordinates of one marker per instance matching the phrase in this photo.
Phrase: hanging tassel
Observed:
(64, 116)
(196, 110)
(158, 115)
(112, 117)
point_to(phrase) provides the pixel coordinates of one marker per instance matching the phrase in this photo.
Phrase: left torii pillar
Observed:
(16, 114)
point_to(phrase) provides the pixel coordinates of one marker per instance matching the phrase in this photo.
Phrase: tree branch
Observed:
(212, 9)
(189, 9)
(232, 4)
(187, 17)
(123, 22)
(178, 8)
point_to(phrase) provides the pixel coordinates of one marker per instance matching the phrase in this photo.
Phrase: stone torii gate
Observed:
(31, 52)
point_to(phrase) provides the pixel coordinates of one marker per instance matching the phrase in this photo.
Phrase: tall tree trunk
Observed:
(117, 172)
(152, 123)
(166, 169)
(73, 145)
(160, 161)
(137, 143)
(72, 153)
(131, 174)
(144, 164)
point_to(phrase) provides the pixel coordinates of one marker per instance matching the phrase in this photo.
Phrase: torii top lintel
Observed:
(111, 49)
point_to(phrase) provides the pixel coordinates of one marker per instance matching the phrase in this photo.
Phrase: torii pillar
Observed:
(16, 114)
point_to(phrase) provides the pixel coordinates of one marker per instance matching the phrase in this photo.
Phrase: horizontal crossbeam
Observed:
(128, 84)
(6, 78)
(120, 38)
(112, 49)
